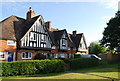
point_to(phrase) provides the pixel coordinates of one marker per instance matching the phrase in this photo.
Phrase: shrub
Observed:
(32, 67)
(83, 63)
(77, 56)
(39, 56)
(67, 60)
(51, 58)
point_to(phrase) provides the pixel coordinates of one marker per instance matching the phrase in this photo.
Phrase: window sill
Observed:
(26, 58)
(2, 58)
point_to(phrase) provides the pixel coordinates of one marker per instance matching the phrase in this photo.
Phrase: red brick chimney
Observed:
(30, 14)
(74, 32)
(48, 25)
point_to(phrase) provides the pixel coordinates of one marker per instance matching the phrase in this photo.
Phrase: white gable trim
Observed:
(83, 40)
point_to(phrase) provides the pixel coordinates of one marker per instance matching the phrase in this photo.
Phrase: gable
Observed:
(37, 36)
(64, 41)
(82, 43)
(76, 39)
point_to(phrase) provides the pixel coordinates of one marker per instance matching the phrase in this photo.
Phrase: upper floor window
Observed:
(64, 42)
(43, 38)
(26, 55)
(32, 36)
(80, 45)
(11, 42)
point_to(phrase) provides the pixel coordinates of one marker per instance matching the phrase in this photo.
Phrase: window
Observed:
(42, 37)
(32, 36)
(62, 55)
(26, 55)
(63, 42)
(11, 42)
(56, 56)
(2, 55)
(80, 45)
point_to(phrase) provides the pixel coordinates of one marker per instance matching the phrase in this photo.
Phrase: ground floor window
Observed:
(26, 55)
(56, 55)
(62, 55)
(2, 55)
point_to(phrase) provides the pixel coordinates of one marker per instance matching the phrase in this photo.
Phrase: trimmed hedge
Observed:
(78, 63)
(32, 67)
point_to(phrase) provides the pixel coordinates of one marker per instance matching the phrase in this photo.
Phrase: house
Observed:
(22, 39)
(79, 42)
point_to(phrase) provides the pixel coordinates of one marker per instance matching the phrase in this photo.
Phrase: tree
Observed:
(96, 48)
(111, 34)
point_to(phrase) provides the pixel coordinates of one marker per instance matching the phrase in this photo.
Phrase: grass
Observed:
(56, 76)
(98, 72)
(107, 71)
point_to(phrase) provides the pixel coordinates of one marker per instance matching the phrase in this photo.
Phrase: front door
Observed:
(10, 56)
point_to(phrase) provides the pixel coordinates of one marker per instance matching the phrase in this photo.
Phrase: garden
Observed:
(79, 68)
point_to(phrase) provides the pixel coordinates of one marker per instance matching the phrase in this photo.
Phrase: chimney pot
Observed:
(30, 14)
(74, 32)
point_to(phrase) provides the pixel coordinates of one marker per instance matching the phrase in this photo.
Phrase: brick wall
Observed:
(19, 54)
(5, 48)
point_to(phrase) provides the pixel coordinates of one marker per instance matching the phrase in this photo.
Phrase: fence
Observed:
(112, 57)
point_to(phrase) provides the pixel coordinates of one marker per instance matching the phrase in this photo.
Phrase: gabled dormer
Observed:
(79, 42)
(64, 41)
(82, 44)
(61, 39)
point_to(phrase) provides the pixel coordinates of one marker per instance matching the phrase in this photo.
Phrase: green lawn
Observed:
(56, 76)
(98, 72)
(107, 71)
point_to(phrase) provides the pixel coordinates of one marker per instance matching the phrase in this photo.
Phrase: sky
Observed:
(85, 16)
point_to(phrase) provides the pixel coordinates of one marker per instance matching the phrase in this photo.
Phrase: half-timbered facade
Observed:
(22, 39)
(37, 36)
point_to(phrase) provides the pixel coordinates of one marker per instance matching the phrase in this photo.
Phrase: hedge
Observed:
(78, 63)
(32, 67)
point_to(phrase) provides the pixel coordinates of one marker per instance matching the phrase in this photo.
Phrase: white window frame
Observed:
(29, 55)
(2, 53)
(43, 38)
(11, 43)
(62, 55)
(32, 38)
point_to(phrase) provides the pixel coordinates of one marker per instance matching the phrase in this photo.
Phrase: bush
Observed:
(51, 58)
(83, 63)
(67, 60)
(77, 56)
(32, 67)
(39, 56)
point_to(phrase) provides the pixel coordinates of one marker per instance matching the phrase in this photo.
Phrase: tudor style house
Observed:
(22, 39)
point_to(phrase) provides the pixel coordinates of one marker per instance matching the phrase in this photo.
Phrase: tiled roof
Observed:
(24, 27)
(7, 26)
(58, 34)
(76, 39)
(15, 28)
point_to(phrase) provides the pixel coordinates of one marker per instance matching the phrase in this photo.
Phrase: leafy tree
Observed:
(96, 48)
(111, 34)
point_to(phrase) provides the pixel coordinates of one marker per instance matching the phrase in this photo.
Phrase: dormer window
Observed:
(80, 45)
(63, 42)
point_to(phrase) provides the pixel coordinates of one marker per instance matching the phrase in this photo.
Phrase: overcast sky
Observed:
(85, 16)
